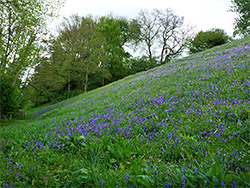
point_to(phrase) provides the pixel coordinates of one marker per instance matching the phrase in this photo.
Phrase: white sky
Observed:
(204, 14)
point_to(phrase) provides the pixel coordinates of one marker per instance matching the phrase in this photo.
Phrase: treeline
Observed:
(87, 53)
(90, 52)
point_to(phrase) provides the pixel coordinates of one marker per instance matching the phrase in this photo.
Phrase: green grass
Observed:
(182, 124)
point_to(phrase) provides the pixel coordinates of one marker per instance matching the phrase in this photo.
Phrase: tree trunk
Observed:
(150, 54)
(69, 84)
(86, 79)
(102, 81)
(86, 82)
(16, 77)
(102, 77)
(162, 52)
(149, 51)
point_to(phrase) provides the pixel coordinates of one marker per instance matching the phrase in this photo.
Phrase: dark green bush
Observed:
(141, 64)
(205, 40)
(9, 97)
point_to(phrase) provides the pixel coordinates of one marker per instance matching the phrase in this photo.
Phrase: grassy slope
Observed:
(184, 123)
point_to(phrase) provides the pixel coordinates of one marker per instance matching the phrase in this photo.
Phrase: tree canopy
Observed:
(208, 39)
(22, 26)
(160, 34)
(88, 53)
(115, 33)
(242, 22)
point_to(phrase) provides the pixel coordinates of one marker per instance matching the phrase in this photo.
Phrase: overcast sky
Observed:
(204, 14)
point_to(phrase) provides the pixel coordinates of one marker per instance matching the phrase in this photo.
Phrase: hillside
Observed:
(182, 124)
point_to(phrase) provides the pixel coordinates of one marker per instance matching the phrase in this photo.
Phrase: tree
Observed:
(149, 29)
(242, 22)
(115, 34)
(22, 25)
(160, 29)
(205, 40)
(77, 57)
(84, 46)
(173, 33)
(46, 82)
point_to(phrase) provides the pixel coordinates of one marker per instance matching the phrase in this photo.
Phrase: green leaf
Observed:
(216, 169)
(136, 168)
(229, 178)
(210, 172)
(145, 180)
(222, 177)
(84, 177)
(111, 149)
(83, 171)
(81, 138)
(112, 160)
(17, 147)
(83, 144)
(127, 152)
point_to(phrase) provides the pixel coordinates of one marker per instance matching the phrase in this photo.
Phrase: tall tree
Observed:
(115, 33)
(173, 34)
(242, 22)
(82, 46)
(22, 25)
(149, 30)
(76, 58)
(160, 29)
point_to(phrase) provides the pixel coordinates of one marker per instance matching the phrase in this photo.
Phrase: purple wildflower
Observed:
(127, 177)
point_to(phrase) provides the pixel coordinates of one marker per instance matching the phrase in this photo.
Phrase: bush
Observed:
(9, 97)
(205, 40)
(141, 64)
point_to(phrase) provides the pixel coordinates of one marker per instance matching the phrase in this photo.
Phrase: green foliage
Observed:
(205, 40)
(46, 83)
(9, 97)
(87, 54)
(140, 64)
(115, 33)
(77, 60)
(90, 53)
(242, 22)
(22, 27)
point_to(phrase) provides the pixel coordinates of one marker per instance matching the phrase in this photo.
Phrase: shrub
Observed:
(205, 40)
(9, 97)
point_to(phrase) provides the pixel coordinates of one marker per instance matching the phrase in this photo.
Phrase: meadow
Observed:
(183, 124)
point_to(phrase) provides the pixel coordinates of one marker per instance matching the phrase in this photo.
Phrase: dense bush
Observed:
(141, 64)
(9, 95)
(205, 40)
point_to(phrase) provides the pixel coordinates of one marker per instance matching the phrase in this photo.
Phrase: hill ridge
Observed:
(178, 62)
